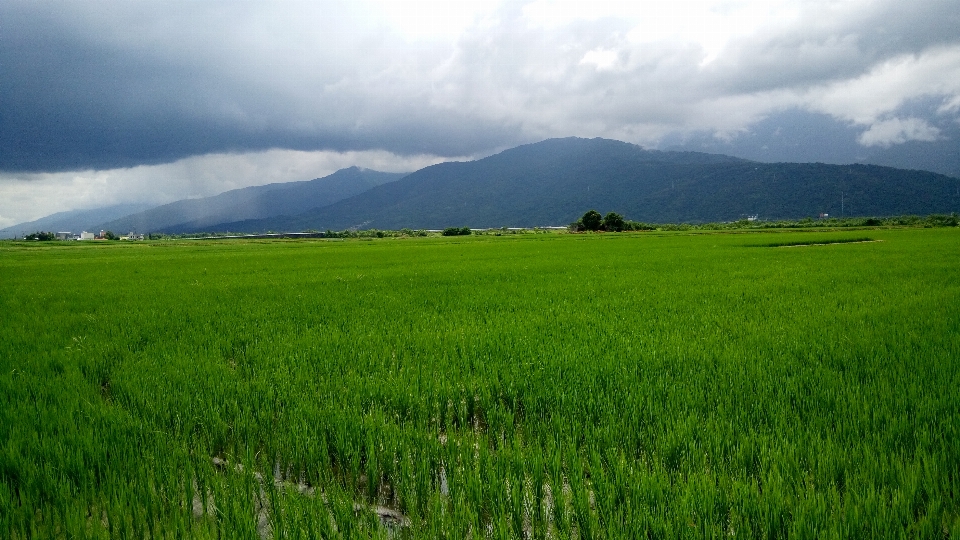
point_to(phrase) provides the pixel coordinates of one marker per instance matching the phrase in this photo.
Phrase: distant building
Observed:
(86, 236)
(64, 235)
(132, 236)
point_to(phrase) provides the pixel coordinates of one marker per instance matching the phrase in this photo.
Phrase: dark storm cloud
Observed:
(782, 137)
(116, 84)
(73, 100)
(797, 135)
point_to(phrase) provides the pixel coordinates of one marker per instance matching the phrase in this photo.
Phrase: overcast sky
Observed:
(126, 101)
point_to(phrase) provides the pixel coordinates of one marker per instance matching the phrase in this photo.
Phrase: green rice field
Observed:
(801, 384)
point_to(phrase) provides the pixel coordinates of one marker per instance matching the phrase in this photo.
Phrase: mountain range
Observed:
(552, 183)
(555, 181)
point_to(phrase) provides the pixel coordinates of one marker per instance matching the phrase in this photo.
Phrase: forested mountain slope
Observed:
(555, 181)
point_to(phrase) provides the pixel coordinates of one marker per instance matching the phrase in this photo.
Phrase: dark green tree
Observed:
(592, 221)
(613, 222)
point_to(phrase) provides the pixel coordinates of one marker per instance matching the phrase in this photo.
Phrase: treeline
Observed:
(349, 233)
(593, 221)
(40, 236)
(47, 236)
(933, 220)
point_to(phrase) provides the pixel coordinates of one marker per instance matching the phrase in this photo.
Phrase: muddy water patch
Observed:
(205, 505)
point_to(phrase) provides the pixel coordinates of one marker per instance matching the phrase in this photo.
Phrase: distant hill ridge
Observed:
(73, 221)
(257, 202)
(554, 181)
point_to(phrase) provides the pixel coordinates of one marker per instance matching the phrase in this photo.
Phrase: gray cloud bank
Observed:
(100, 85)
(104, 85)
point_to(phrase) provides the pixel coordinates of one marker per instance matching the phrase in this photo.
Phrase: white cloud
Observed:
(707, 24)
(950, 105)
(431, 19)
(896, 131)
(873, 99)
(888, 86)
(601, 58)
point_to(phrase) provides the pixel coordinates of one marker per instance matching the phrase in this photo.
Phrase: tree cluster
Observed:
(612, 222)
(41, 236)
(457, 231)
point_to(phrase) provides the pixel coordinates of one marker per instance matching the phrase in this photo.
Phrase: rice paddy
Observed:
(658, 385)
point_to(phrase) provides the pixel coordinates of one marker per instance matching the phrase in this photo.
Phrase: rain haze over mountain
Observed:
(116, 102)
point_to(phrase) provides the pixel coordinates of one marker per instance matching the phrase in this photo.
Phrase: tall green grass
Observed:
(599, 386)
